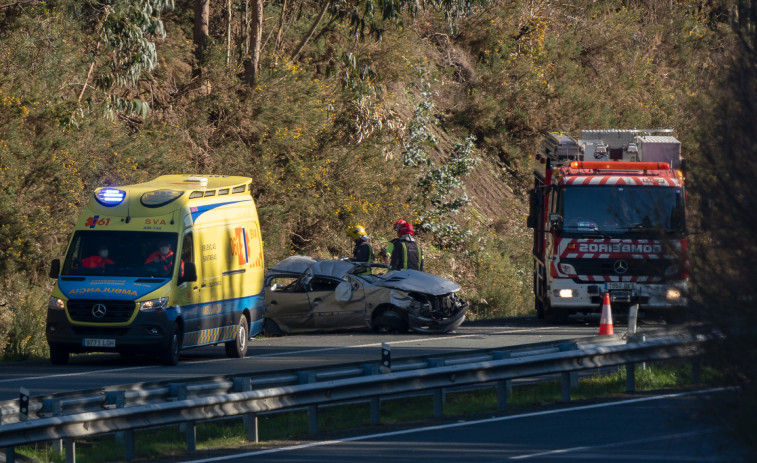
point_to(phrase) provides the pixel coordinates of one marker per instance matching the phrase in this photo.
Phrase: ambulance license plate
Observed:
(88, 342)
(610, 285)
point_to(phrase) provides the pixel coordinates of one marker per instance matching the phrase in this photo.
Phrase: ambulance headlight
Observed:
(673, 294)
(110, 196)
(56, 303)
(564, 293)
(154, 305)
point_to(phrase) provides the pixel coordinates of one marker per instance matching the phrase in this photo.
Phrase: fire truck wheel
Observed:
(539, 307)
(556, 316)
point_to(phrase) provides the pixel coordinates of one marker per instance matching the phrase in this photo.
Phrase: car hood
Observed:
(413, 280)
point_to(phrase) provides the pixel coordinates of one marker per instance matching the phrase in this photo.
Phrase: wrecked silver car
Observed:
(306, 294)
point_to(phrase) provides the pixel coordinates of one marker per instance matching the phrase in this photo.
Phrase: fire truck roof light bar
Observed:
(619, 165)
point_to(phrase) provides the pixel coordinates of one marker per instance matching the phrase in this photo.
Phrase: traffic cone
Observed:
(605, 323)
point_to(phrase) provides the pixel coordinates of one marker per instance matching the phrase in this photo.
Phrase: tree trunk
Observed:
(228, 32)
(252, 65)
(311, 31)
(201, 30)
(280, 32)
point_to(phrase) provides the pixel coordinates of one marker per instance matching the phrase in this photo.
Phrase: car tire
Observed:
(170, 354)
(58, 355)
(271, 328)
(390, 321)
(237, 348)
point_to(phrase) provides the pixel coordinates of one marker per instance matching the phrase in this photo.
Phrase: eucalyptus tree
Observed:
(122, 49)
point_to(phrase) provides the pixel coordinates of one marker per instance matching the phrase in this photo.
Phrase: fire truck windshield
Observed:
(639, 211)
(121, 253)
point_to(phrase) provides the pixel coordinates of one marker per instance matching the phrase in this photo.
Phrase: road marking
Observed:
(620, 444)
(458, 425)
(276, 354)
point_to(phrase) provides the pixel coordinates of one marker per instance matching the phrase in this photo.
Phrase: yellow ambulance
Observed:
(157, 267)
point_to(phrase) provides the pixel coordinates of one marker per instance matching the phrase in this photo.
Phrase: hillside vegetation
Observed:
(360, 112)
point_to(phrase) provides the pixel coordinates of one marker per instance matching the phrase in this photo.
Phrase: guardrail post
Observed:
(191, 433)
(696, 370)
(505, 386)
(177, 391)
(249, 420)
(375, 410)
(70, 450)
(117, 399)
(313, 419)
(569, 378)
(630, 377)
(52, 407)
(439, 403)
(10, 454)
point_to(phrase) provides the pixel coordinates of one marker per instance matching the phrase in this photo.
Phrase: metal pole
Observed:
(633, 314)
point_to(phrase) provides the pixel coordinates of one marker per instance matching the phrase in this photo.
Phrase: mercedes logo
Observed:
(98, 310)
(620, 266)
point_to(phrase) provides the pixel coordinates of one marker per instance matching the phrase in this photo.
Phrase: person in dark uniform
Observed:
(404, 251)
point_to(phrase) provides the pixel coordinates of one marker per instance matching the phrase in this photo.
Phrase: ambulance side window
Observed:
(187, 252)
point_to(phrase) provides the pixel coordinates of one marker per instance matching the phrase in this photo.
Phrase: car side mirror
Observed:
(55, 268)
(190, 273)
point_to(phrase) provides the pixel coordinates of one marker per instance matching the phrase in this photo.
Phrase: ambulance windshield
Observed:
(627, 211)
(121, 253)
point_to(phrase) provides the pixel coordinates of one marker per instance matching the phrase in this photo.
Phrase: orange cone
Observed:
(605, 323)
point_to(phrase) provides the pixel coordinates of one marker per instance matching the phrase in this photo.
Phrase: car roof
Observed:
(297, 265)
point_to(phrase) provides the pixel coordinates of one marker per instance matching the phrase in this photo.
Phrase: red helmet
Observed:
(404, 228)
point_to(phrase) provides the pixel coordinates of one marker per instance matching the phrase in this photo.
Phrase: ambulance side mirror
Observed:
(190, 272)
(55, 268)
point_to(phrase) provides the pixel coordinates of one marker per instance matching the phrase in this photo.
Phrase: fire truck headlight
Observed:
(567, 269)
(56, 304)
(565, 293)
(673, 294)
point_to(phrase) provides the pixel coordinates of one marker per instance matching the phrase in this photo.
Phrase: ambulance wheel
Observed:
(58, 355)
(170, 354)
(237, 348)
(539, 307)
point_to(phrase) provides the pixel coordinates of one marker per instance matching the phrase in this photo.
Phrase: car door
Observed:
(287, 302)
(337, 303)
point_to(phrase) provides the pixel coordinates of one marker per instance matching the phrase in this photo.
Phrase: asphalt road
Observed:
(679, 427)
(285, 353)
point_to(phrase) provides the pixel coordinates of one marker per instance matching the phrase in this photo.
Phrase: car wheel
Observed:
(271, 328)
(58, 355)
(390, 321)
(237, 348)
(170, 354)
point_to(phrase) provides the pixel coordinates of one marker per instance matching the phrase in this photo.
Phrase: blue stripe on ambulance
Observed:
(198, 210)
(108, 288)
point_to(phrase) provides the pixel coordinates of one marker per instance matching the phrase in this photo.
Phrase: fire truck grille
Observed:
(99, 311)
(609, 267)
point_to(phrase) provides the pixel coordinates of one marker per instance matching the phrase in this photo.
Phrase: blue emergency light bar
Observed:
(110, 196)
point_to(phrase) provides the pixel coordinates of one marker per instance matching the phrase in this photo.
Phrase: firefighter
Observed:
(363, 251)
(404, 250)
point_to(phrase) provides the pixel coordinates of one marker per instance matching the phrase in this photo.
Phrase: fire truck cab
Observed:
(608, 214)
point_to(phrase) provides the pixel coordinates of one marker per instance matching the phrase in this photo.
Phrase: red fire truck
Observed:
(608, 214)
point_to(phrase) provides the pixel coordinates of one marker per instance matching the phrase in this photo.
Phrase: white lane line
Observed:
(617, 444)
(275, 354)
(452, 425)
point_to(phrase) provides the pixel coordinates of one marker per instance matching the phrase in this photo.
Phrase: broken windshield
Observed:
(612, 210)
(121, 253)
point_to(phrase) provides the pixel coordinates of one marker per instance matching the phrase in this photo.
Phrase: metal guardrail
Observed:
(130, 395)
(371, 388)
